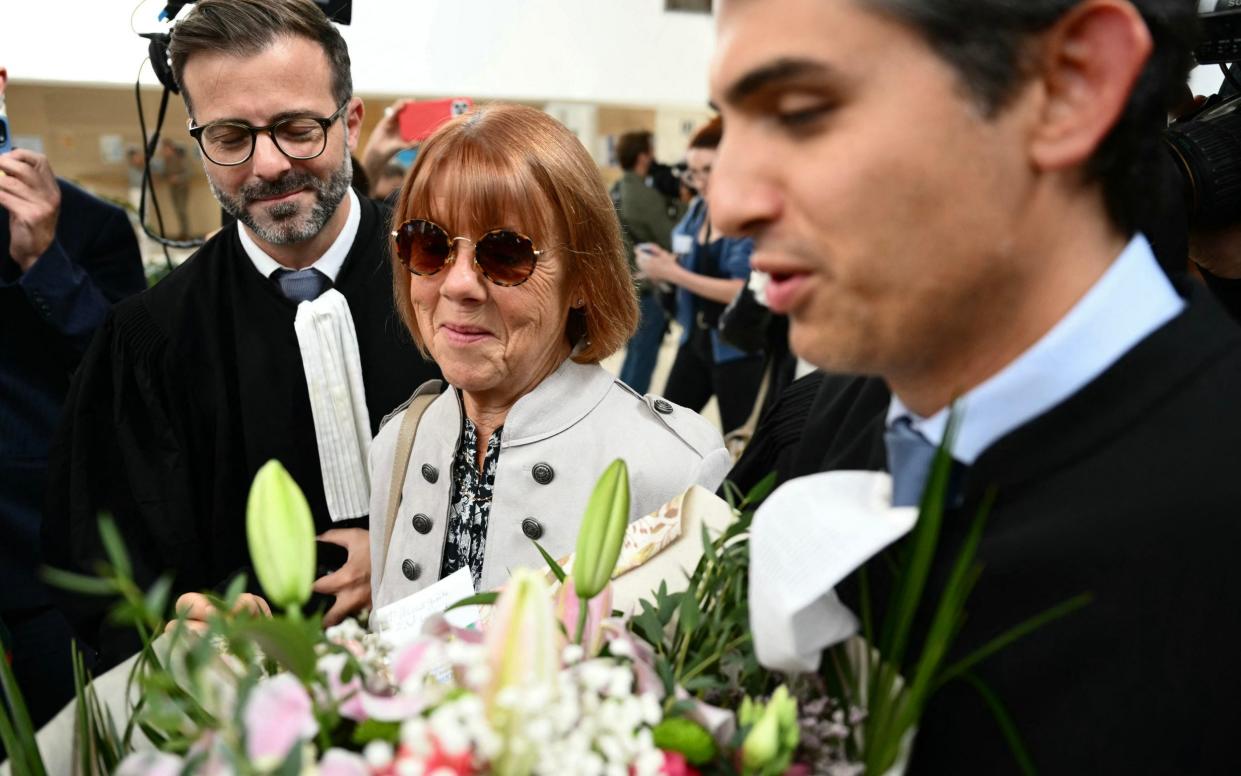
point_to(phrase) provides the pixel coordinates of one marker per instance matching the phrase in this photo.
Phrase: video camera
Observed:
(1206, 144)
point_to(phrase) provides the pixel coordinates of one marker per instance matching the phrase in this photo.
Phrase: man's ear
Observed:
(353, 121)
(1087, 65)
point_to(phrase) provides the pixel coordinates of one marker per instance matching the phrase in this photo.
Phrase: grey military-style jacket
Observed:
(557, 440)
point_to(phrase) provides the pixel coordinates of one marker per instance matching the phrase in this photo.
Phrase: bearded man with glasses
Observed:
(195, 384)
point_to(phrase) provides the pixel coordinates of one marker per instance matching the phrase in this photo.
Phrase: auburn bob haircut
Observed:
(511, 166)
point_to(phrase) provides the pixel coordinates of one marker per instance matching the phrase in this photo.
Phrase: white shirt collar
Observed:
(331, 260)
(1130, 301)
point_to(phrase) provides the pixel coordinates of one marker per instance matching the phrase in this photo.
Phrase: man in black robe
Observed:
(946, 201)
(192, 386)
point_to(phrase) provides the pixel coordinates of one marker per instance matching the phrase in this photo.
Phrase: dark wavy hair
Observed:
(246, 27)
(988, 43)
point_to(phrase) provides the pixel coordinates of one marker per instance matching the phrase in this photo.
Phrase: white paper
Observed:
(682, 243)
(400, 622)
(809, 535)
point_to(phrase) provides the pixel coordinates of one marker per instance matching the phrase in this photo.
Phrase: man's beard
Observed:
(288, 222)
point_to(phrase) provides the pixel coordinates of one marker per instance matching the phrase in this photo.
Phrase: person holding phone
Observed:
(709, 270)
(65, 257)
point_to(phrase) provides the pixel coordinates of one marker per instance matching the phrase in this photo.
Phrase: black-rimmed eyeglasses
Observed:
(230, 143)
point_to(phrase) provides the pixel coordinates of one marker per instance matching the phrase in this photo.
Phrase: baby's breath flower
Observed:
(378, 754)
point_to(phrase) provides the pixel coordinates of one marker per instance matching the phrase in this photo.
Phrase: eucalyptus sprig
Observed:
(701, 636)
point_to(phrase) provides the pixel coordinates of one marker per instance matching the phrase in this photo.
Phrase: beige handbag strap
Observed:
(400, 462)
(737, 439)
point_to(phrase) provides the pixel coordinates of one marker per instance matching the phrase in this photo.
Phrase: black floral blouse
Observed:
(470, 506)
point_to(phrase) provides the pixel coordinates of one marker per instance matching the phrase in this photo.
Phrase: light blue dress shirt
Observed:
(1127, 304)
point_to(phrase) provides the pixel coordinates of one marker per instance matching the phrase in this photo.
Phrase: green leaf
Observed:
(690, 614)
(16, 729)
(668, 607)
(235, 588)
(648, 624)
(292, 765)
(479, 599)
(157, 597)
(285, 641)
(78, 583)
(374, 730)
(1007, 728)
(551, 563)
(114, 546)
(760, 491)
(1013, 634)
(945, 624)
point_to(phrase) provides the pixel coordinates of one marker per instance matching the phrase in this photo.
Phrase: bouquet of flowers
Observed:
(551, 683)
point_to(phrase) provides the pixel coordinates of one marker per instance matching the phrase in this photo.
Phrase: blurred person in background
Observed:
(389, 183)
(709, 271)
(176, 174)
(645, 219)
(65, 257)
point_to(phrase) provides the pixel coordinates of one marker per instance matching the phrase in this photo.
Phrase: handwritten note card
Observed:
(401, 621)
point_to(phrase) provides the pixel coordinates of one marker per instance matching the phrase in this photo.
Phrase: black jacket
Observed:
(47, 318)
(1128, 491)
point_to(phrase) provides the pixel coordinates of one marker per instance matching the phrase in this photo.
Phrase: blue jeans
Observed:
(643, 348)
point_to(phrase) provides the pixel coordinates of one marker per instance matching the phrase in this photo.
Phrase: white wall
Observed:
(604, 51)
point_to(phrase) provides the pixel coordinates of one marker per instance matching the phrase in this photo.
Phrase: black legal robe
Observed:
(186, 391)
(1128, 491)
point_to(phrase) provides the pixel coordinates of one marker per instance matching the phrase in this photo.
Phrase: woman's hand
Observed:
(656, 263)
(351, 583)
(197, 607)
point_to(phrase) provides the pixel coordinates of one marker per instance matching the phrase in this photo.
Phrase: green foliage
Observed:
(478, 599)
(701, 636)
(16, 730)
(557, 571)
(678, 734)
(289, 642)
(374, 730)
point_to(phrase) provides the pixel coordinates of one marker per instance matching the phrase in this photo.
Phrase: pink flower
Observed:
(347, 694)
(150, 764)
(598, 609)
(277, 716)
(675, 764)
(338, 762)
(212, 756)
(523, 642)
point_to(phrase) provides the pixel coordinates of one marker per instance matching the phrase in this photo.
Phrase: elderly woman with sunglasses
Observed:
(514, 279)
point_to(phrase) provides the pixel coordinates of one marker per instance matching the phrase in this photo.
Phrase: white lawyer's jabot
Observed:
(333, 366)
